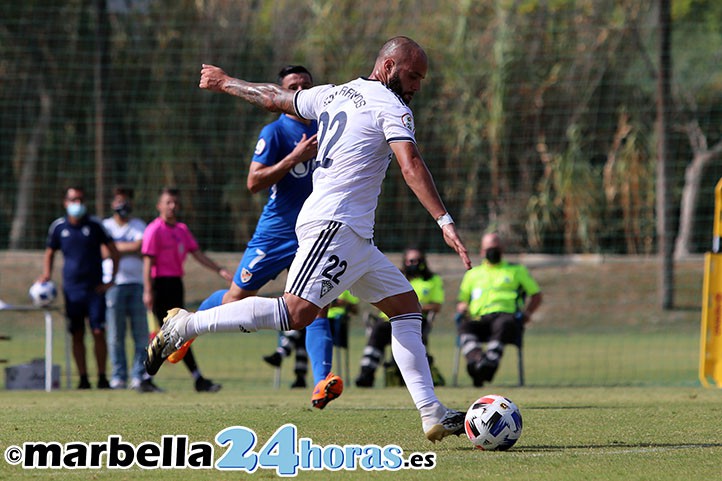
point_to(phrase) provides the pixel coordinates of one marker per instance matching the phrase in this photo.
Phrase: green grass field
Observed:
(569, 433)
(612, 390)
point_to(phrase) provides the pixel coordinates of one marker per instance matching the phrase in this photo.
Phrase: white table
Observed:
(48, 342)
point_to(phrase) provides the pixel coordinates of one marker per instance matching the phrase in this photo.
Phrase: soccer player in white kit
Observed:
(361, 124)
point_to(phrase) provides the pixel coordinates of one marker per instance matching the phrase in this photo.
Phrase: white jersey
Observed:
(130, 269)
(356, 123)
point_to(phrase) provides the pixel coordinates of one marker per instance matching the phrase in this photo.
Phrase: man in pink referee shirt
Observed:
(166, 244)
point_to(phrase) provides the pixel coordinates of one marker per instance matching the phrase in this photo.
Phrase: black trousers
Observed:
(168, 292)
(498, 326)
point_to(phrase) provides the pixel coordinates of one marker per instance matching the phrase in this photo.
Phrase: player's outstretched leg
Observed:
(326, 391)
(167, 341)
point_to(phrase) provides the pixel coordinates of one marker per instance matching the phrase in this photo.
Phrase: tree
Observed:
(697, 23)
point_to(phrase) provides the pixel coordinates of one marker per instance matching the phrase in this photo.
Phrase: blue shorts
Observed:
(82, 302)
(263, 261)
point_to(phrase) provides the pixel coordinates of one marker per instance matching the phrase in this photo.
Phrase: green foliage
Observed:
(505, 78)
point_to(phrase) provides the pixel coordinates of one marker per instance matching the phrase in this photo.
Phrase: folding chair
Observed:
(519, 343)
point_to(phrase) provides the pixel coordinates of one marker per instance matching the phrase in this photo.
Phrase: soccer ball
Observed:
(43, 293)
(493, 423)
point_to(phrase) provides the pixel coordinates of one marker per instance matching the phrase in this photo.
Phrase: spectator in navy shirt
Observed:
(80, 237)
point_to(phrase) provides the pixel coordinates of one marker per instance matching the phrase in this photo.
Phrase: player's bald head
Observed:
(401, 65)
(399, 48)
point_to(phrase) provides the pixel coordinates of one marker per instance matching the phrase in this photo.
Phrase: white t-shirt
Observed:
(356, 123)
(130, 269)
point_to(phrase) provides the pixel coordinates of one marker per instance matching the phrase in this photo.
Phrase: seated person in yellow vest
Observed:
(491, 295)
(429, 288)
(338, 315)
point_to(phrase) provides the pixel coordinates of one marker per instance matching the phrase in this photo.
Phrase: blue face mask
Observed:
(76, 209)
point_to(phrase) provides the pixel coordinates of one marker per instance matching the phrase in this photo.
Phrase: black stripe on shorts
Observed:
(314, 257)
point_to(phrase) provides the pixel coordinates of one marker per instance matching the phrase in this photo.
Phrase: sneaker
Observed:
(147, 386)
(167, 341)
(452, 422)
(206, 385)
(487, 369)
(180, 353)
(475, 373)
(326, 391)
(300, 382)
(274, 359)
(103, 382)
(84, 383)
(365, 377)
(116, 383)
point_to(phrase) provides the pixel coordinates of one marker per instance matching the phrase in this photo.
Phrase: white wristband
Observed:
(444, 220)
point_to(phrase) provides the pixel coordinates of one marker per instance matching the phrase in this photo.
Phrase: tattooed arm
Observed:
(269, 96)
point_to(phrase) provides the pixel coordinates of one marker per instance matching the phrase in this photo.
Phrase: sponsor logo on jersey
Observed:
(302, 169)
(329, 99)
(246, 275)
(260, 146)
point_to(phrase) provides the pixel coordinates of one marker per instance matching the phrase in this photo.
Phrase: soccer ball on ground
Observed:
(493, 423)
(43, 293)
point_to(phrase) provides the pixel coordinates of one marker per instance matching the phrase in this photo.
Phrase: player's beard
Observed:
(395, 86)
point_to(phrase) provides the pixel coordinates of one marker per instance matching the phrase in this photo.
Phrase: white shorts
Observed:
(332, 258)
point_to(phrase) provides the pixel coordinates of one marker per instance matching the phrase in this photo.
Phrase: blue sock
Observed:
(319, 345)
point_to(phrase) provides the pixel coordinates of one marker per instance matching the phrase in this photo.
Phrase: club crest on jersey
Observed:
(246, 275)
(326, 286)
(260, 146)
(408, 122)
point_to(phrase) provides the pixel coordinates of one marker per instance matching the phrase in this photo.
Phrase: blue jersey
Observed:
(80, 245)
(285, 198)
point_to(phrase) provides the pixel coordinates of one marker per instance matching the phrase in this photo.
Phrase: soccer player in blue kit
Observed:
(283, 163)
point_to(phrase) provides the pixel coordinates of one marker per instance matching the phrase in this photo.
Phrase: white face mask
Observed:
(76, 209)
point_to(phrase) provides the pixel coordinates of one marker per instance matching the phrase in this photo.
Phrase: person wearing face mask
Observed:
(124, 301)
(429, 287)
(80, 238)
(491, 295)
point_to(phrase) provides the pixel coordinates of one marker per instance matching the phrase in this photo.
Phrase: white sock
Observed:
(410, 355)
(247, 315)
(432, 414)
